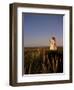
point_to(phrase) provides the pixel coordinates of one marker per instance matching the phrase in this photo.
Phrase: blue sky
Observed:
(39, 28)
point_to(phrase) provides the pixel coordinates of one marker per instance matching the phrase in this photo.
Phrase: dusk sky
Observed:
(38, 29)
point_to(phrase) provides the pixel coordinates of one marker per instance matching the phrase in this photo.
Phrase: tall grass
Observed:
(41, 60)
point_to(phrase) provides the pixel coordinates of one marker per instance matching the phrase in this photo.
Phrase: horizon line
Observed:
(39, 46)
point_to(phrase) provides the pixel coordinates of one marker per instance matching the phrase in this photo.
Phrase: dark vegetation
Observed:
(40, 60)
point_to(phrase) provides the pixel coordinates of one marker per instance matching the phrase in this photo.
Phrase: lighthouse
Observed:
(53, 44)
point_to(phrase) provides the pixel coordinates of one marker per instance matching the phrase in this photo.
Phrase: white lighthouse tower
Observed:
(53, 44)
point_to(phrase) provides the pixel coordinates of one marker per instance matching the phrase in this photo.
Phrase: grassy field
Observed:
(38, 60)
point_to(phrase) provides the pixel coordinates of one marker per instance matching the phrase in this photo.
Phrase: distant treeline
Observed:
(60, 48)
